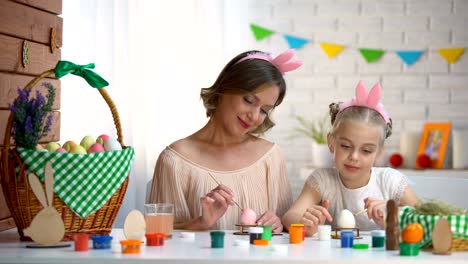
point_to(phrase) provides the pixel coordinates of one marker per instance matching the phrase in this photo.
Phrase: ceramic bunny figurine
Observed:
(47, 227)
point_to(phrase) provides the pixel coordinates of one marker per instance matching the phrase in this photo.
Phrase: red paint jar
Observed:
(155, 239)
(81, 242)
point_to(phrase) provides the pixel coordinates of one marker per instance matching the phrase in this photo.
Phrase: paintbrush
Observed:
(214, 179)
(361, 212)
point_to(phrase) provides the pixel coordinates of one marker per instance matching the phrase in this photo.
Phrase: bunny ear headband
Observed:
(282, 62)
(369, 100)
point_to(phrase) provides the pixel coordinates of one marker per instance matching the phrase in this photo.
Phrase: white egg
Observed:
(346, 219)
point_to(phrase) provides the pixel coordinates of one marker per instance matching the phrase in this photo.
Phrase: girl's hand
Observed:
(315, 216)
(270, 218)
(376, 210)
(214, 204)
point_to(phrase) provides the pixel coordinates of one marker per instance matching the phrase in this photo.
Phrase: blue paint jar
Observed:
(347, 239)
(101, 242)
(255, 233)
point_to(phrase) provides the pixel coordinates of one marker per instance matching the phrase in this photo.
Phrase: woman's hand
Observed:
(375, 210)
(315, 216)
(214, 204)
(270, 218)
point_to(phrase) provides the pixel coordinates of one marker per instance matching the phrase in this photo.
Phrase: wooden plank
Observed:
(10, 82)
(53, 6)
(6, 223)
(53, 135)
(40, 58)
(28, 23)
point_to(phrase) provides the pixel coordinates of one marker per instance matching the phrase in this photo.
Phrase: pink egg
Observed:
(248, 217)
(61, 150)
(96, 147)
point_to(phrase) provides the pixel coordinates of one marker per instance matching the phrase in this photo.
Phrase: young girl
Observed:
(359, 128)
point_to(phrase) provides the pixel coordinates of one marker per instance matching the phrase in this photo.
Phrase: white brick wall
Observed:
(429, 90)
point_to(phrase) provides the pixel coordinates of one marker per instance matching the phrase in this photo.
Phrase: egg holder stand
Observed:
(336, 235)
(19, 196)
(242, 230)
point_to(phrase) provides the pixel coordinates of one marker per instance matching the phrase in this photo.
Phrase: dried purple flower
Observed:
(29, 116)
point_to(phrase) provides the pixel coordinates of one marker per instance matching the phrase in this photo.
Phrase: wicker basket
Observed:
(22, 202)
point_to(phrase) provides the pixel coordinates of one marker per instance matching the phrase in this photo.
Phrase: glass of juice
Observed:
(159, 218)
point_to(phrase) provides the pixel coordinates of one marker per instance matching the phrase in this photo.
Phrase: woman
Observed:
(228, 150)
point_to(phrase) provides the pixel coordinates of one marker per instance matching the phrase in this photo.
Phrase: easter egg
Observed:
(61, 150)
(412, 233)
(248, 217)
(346, 219)
(102, 138)
(112, 144)
(52, 146)
(68, 145)
(96, 147)
(396, 160)
(424, 161)
(78, 149)
(87, 142)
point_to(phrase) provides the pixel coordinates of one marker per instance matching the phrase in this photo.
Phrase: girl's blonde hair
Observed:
(359, 113)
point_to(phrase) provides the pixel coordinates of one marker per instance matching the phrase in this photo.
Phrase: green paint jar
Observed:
(217, 239)
(267, 233)
(378, 238)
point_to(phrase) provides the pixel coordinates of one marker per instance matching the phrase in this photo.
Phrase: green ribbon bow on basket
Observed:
(65, 67)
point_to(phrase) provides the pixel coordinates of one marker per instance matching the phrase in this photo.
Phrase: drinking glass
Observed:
(159, 218)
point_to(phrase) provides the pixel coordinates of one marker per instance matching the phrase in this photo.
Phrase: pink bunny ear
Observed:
(361, 93)
(291, 66)
(283, 57)
(374, 95)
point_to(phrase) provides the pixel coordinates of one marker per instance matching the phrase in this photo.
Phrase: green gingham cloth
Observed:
(84, 182)
(458, 223)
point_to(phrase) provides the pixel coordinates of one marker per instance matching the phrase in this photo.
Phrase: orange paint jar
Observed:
(303, 229)
(296, 234)
(131, 246)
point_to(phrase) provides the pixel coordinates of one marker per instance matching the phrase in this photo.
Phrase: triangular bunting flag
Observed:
(260, 32)
(331, 49)
(451, 55)
(295, 42)
(371, 55)
(409, 56)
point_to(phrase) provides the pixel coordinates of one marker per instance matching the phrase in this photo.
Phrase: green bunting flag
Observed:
(260, 32)
(371, 55)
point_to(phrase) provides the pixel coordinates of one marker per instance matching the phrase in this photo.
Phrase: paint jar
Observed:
(101, 242)
(303, 229)
(81, 242)
(407, 249)
(217, 239)
(261, 242)
(255, 233)
(267, 233)
(131, 246)
(324, 232)
(296, 234)
(378, 238)
(347, 239)
(155, 239)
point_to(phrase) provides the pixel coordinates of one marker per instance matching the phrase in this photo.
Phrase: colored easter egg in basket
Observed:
(346, 219)
(112, 144)
(78, 149)
(102, 138)
(61, 150)
(68, 145)
(52, 146)
(39, 147)
(87, 142)
(248, 217)
(96, 147)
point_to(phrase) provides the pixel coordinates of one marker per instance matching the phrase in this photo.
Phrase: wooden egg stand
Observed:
(355, 230)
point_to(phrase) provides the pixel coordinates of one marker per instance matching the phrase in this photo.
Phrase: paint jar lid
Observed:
(155, 235)
(300, 225)
(131, 242)
(361, 246)
(255, 230)
(347, 234)
(101, 239)
(217, 233)
(241, 243)
(378, 233)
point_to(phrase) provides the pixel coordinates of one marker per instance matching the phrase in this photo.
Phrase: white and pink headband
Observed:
(282, 62)
(370, 100)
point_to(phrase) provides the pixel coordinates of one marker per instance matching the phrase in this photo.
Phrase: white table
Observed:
(177, 250)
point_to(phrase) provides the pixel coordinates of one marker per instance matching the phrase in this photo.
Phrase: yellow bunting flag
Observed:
(451, 55)
(331, 49)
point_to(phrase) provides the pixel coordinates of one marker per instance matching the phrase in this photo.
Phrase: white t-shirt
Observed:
(384, 184)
